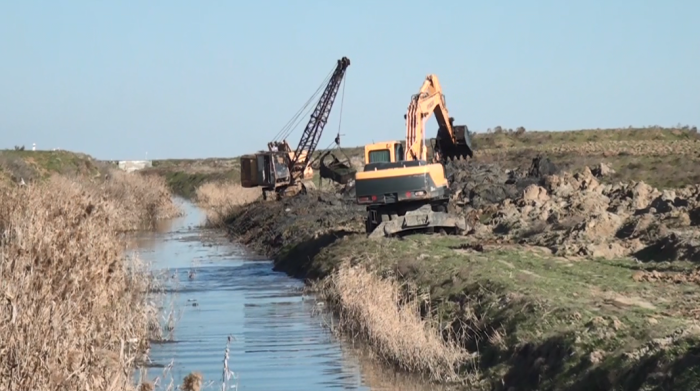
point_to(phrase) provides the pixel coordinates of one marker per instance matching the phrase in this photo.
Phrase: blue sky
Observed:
(212, 78)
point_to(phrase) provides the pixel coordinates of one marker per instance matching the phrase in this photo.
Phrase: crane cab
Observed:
(384, 152)
(266, 169)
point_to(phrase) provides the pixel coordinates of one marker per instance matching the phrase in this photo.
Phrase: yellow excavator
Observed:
(403, 191)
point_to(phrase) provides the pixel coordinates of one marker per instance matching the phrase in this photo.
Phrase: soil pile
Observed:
(571, 214)
(478, 185)
(577, 214)
(267, 226)
(684, 277)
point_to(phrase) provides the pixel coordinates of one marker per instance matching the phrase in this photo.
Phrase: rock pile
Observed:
(577, 214)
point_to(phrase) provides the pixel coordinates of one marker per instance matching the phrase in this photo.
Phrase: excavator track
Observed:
(429, 222)
(425, 219)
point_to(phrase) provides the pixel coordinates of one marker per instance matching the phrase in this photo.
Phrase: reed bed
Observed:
(391, 322)
(219, 198)
(73, 309)
(142, 200)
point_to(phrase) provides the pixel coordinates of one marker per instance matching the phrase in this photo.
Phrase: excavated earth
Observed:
(578, 214)
(304, 223)
(570, 214)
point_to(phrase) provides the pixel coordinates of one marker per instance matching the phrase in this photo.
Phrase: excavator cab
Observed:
(384, 152)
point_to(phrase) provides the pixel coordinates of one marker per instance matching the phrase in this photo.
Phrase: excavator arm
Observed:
(451, 142)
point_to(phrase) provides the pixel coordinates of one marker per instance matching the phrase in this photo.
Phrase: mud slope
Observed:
(293, 230)
(565, 281)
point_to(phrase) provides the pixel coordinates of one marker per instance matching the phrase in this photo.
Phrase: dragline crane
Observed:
(281, 169)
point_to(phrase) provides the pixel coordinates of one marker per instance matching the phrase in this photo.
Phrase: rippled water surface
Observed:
(221, 291)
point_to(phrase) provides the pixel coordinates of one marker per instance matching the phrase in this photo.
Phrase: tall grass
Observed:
(218, 198)
(387, 315)
(73, 313)
(141, 200)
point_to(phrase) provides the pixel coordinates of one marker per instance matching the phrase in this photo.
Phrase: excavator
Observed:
(403, 191)
(280, 169)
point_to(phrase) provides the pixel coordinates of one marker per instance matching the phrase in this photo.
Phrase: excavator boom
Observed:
(451, 141)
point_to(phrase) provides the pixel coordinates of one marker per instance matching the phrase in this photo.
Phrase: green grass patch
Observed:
(572, 323)
(537, 138)
(211, 163)
(660, 171)
(185, 184)
(38, 165)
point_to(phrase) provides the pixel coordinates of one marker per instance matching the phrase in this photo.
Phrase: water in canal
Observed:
(278, 343)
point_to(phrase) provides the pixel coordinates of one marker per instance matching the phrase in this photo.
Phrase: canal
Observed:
(278, 341)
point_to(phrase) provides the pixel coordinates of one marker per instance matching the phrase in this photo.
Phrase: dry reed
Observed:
(218, 198)
(142, 200)
(73, 313)
(387, 316)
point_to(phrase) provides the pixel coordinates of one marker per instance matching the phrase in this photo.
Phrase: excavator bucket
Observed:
(459, 149)
(336, 171)
(421, 220)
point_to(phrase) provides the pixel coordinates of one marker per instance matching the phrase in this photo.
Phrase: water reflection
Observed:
(279, 344)
(379, 377)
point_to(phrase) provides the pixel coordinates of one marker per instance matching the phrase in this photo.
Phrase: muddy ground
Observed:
(564, 280)
(573, 215)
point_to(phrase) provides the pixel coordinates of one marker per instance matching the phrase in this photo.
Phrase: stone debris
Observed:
(577, 214)
(602, 170)
(685, 277)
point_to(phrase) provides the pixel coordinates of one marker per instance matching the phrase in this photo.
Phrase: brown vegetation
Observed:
(218, 198)
(391, 322)
(73, 313)
(142, 200)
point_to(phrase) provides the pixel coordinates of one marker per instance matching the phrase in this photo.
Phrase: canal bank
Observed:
(530, 318)
(216, 290)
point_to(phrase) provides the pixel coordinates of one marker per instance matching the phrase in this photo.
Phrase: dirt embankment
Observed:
(565, 281)
(295, 229)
